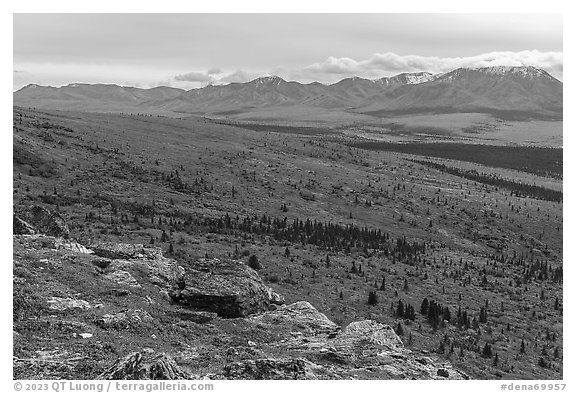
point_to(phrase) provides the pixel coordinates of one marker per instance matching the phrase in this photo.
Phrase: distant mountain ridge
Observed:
(524, 90)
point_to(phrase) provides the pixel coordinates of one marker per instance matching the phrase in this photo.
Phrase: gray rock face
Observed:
(228, 288)
(138, 365)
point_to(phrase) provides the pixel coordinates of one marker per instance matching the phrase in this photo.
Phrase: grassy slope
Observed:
(102, 158)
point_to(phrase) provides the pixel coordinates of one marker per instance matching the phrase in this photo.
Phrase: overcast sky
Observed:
(191, 50)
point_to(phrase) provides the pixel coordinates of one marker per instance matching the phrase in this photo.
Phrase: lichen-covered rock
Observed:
(299, 316)
(62, 304)
(226, 287)
(138, 365)
(125, 319)
(63, 244)
(275, 298)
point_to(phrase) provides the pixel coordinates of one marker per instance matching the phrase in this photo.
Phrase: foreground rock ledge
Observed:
(226, 287)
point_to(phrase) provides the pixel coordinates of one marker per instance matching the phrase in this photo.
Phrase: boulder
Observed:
(299, 316)
(139, 365)
(226, 287)
(373, 332)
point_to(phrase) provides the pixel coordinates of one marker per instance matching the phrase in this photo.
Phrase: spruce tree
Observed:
(487, 351)
(399, 329)
(372, 298)
(254, 263)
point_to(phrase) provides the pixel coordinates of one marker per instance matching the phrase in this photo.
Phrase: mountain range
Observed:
(521, 91)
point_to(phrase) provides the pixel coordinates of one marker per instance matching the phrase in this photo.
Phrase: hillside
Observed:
(462, 258)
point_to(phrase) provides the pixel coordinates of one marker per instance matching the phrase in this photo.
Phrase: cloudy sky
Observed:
(192, 50)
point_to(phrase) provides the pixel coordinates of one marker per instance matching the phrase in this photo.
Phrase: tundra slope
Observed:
(329, 223)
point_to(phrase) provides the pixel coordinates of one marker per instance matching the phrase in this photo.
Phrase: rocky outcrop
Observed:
(41, 220)
(125, 251)
(298, 317)
(268, 340)
(362, 350)
(226, 287)
(21, 227)
(46, 228)
(138, 365)
(55, 243)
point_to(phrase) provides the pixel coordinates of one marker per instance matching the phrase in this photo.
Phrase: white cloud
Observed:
(238, 76)
(213, 71)
(386, 64)
(193, 77)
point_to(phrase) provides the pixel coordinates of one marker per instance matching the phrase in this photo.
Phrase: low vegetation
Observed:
(463, 265)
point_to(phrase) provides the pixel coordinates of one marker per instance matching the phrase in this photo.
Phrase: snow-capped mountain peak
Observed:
(272, 79)
(524, 71)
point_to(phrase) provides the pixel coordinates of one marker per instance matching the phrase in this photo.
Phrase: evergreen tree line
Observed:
(516, 188)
